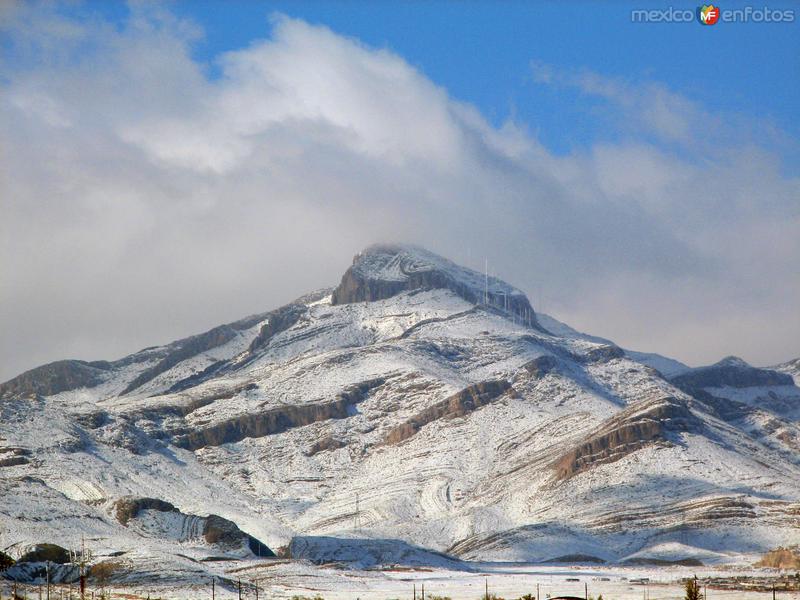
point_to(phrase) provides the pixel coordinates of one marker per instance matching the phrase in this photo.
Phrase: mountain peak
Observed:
(385, 270)
(731, 371)
(732, 361)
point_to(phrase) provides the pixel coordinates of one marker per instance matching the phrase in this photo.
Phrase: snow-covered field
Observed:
(285, 579)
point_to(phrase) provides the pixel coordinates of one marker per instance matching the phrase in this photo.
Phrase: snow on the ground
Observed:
(286, 579)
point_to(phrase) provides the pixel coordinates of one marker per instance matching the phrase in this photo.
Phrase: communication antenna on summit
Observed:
(486, 284)
(504, 306)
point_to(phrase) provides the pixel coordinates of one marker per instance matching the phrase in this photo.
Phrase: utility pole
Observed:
(47, 574)
(537, 591)
(585, 590)
(415, 592)
(213, 590)
(486, 588)
(240, 589)
(423, 590)
(82, 571)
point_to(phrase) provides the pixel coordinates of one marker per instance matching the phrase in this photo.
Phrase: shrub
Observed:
(692, 590)
(102, 572)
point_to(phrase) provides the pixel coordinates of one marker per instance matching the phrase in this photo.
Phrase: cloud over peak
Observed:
(145, 199)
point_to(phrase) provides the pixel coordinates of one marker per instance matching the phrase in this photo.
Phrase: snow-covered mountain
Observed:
(418, 408)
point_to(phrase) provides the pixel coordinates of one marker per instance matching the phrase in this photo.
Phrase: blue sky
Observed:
(481, 53)
(181, 164)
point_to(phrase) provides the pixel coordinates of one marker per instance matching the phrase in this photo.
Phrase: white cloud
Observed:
(368, 101)
(143, 200)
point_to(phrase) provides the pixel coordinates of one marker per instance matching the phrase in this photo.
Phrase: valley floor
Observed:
(285, 579)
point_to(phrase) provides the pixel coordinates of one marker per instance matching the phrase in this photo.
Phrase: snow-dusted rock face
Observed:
(791, 367)
(151, 517)
(642, 424)
(383, 271)
(59, 376)
(395, 418)
(732, 371)
(765, 402)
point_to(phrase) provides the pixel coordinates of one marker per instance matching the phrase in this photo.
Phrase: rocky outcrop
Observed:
(268, 422)
(792, 368)
(277, 321)
(367, 552)
(214, 369)
(45, 553)
(459, 404)
(56, 377)
(602, 354)
(276, 420)
(732, 372)
(189, 347)
(129, 507)
(638, 426)
(703, 511)
(325, 444)
(222, 532)
(576, 559)
(541, 366)
(383, 271)
(12, 456)
(183, 350)
(5, 561)
(67, 375)
(216, 530)
(93, 419)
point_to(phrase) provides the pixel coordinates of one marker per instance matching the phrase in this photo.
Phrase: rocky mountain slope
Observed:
(417, 409)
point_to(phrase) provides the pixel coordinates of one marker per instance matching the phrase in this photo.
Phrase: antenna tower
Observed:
(486, 284)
